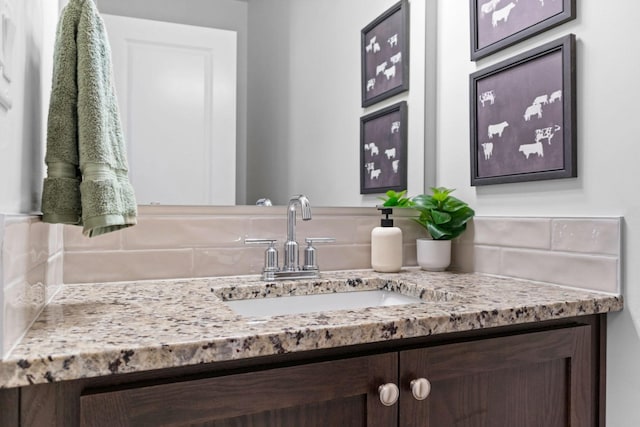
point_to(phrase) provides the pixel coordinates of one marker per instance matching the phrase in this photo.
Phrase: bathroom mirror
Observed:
(298, 92)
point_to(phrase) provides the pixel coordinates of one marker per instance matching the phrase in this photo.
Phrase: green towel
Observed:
(86, 181)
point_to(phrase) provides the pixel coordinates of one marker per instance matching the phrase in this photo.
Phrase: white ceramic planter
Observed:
(433, 255)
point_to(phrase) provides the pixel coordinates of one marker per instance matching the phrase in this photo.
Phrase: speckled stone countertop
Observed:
(104, 329)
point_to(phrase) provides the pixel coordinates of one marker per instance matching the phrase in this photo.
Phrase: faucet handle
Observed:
(270, 255)
(311, 240)
(310, 262)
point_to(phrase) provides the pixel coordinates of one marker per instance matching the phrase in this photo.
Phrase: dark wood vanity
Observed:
(548, 373)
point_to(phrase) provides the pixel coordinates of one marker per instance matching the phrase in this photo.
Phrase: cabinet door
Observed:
(529, 380)
(335, 393)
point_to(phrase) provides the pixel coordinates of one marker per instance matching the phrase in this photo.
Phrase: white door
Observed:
(176, 87)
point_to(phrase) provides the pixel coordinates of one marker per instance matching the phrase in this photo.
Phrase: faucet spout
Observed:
(291, 246)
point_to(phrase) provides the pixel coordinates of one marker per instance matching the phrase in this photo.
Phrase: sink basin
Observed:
(296, 304)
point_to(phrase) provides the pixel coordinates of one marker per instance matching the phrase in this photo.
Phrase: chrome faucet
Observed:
(291, 267)
(291, 251)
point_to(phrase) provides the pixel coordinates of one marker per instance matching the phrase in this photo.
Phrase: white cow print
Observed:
(369, 166)
(393, 40)
(487, 96)
(381, 67)
(496, 129)
(394, 165)
(487, 147)
(546, 133)
(390, 72)
(375, 173)
(488, 7)
(373, 147)
(396, 58)
(391, 153)
(395, 127)
(531, 110)
(501, 14)
(371, 83)
(542, 99)
(555, 96)
(528, 149)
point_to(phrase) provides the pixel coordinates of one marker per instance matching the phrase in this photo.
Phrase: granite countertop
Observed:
(104, 329)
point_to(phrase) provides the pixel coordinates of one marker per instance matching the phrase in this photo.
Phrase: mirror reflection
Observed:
(294, 126)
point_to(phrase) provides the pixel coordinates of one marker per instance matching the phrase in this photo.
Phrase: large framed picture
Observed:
(383, 150)
(496, 24)
(523, 116)
(385, 55)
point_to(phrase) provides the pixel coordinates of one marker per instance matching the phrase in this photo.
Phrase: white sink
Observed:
(264, 307)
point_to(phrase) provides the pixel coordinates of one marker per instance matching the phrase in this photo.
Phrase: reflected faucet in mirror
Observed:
(291, 268)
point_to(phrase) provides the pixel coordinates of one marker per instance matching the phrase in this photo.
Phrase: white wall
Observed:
(608, 70)
(305, 102)
(23, 127)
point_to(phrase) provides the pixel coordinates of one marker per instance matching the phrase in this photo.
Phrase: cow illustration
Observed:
(531, 110)
(487, 148)
(393, 40)
(547, 133)
(395, 127)
(381, 67)
(542, 99)
(501, 14)
(555, 96)
(497, 129)
(487, 96)
(390, 72)
(528, 149)
(371, 83)
(391, 153)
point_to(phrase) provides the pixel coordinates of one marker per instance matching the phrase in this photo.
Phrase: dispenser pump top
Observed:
(386, 221)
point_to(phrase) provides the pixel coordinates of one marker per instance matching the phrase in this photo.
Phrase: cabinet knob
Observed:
(420, 388)
(388, 393)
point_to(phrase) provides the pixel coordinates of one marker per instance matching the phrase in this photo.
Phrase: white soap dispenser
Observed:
(386, 245)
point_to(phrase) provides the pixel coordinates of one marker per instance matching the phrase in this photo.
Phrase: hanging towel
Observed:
(86, 181)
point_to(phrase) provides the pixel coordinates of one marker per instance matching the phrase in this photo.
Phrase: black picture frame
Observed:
(383, 150)
(523, 116)
(385, 55)
(497, 24)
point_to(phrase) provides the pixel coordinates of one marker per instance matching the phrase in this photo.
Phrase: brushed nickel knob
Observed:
(388, 393)
(420, 388)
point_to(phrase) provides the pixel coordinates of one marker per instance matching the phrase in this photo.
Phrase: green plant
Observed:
(392, 198)
(445, 217)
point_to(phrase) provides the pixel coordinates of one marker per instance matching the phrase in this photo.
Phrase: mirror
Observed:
(298, 92)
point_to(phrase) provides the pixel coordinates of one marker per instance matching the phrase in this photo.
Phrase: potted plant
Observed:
(442, 215)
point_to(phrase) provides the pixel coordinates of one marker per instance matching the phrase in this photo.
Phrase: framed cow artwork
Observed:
(383, 150)
(523, 116)
(385, 55)
(496, 24)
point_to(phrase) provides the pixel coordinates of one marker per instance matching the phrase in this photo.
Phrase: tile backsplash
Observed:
(179, 242)
(31, 264)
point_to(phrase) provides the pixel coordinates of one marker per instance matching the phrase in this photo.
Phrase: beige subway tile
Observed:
(268, 228)
(533, 233)
(600, 273)
(486, 259)
(54, 274)
(409, 254)
(228, 261)
(344, 230)
(26, 245)
(74, 240)
(339, 257)
(588, 235)
(90, 267)
(184, 232)
(56, 239)
(23, 301)
(363, 227)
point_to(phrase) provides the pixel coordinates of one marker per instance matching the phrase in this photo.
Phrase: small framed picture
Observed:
(383, 150)
(385, 55)
(496, 24)
(523, 116)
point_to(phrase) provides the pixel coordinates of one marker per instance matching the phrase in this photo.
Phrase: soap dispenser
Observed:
(386, 245)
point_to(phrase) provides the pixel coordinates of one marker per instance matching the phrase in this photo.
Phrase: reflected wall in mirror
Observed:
(298, 93)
